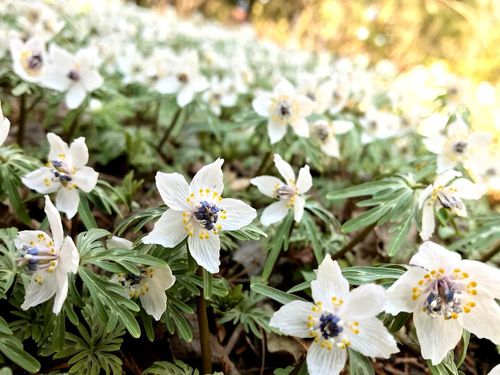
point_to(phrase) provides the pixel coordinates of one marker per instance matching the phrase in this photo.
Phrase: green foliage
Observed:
(92, 349)
(176, 368)
(12, 348)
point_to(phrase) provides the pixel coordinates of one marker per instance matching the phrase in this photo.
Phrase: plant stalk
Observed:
(22, 120)
(357, 239)
(169, 129)
(201, 311)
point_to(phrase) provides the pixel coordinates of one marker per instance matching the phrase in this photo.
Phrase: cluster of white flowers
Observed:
(122, 44)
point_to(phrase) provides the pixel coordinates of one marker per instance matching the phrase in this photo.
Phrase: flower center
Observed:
(183, 77)
(138, 284)
(443, 299)
(284, 192)
(330, 325)
(38, 258)
(448, 201)
(32, 62)
(74, 75)
(284, 109)
(459, 147)
(446, 295)
(207, 214)
(61, 172)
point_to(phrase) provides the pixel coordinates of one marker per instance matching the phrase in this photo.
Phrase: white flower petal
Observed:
(267, 185)
(61, 292)
(284, 87)
(291, 319)
(69, 258)
(261, 104)
(399, 295)
(304, 181)
(238, 214)
(206, 252)
(91, 79)
(298, 208)
(274, 213)
(483, 320)
(365, 301)
(54, 218)
(342, 126)
(75, 96)
(208, 177)
(436, 336)
(118, 242)
(185, 96)
(173, 190)
(466, 189)
(85, 179)
(168, 230)
(428, 221)
(424, 195)
(373, 339)
(154, 301)
(495, 370)
(168, 85)
(329, 283)
(67, 201)
(431, 256)
(487, 277)
(435, 144)
(163, 277)
(4, 128)
(41, 181)
(331, 148)
(301, 127)
(445, 177)
(79, 152)
(275, 131)
(321, 361)
(284, 169)
(59, 149)
(37, 293)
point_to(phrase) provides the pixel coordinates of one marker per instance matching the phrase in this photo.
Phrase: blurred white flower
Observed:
(284, 107)
(50, 259)
(74, 74)
(4, 126)
(66, 172)
(149, 286)
(379, 124)
(289, 193)
(325, 131)
(338, 319)
(184, 79)
(198, 212)
(447, 191)
(458, 146)
(446, 295)
(29, 59)
(221, 93)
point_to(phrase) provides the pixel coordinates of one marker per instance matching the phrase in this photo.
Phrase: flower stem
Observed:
(263, 164)
(490, 254)
(201, 311)
(169, 129)
(357, 239)
(22, 120)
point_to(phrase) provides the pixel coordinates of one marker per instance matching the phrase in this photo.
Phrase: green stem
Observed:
(490, 254)
(169, 129)
(263, 164)
(357, 239)
(22, 120)
(201, 311)
(74, 124)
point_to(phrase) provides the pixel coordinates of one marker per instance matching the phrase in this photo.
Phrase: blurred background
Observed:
(457, 36)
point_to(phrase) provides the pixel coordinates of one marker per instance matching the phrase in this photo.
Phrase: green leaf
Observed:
(365, 219)
(207, 284)
(275, 294)
(368, 188)
(279, 242)
(359, 364)
(85, 213)
(400, 232)
(176, 368)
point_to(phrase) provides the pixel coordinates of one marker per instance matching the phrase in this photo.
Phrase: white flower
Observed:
(221, 93)
(50, 260)
(458, 146)
(337, 319)
(149, 286)
(4, 126)
(185, 79)
(198, 211)
(29, 58)
(379, 124)
(447, 192)
(289, 192)
(495, 370)
(325, 131)
(74, 74)
(65, 173)
(447, 294)
(284, 107)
